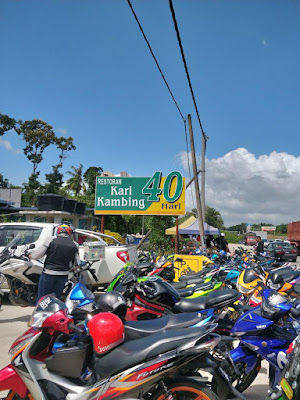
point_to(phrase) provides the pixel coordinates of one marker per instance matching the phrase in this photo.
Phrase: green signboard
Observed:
(149, 196)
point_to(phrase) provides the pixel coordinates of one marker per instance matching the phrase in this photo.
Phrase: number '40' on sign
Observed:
(152, 188)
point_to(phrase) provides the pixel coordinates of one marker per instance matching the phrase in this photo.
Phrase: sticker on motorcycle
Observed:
(281, 359)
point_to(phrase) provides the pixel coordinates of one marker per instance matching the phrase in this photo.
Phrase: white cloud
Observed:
(264, 43)
(245, 188)
(62, 131)
(8, 146)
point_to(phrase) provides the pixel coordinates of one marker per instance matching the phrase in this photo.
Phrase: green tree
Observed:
(38, 135)
(281, 229)
(7, 123)
(158, 240)
(238, 228)
(76, 182)
(189, 214)
(4, 184)
(31, 189)
(213, 217)
(55, 178)
(90, 177)
(54, 181)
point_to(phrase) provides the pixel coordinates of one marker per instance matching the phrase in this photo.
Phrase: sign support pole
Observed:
(197, 191)
(102, 223)
(177, 237)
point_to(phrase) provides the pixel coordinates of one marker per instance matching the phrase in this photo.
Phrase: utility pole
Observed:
(197, 191)
(177, 237)
(203, 176)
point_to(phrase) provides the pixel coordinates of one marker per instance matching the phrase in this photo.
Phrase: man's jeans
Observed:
(51, 284)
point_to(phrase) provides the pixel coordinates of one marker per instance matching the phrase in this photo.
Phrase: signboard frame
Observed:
(156, 195)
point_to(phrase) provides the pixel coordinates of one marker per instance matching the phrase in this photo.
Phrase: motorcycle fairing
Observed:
(251, 321)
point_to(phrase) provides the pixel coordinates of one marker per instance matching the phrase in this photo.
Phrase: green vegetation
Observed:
(39, 135)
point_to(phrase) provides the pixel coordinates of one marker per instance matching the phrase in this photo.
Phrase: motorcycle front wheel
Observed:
(184, 389)
(244, 380)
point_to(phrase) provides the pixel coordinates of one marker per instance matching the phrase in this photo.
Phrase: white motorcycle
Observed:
(21, 274)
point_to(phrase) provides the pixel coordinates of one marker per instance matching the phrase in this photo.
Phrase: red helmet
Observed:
(107, 332)
(64, 228)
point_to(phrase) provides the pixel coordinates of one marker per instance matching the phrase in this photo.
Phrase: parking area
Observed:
(13, 322)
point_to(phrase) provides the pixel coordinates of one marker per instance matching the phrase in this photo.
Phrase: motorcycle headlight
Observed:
(268, 310)
(242, 289)
(38, 318)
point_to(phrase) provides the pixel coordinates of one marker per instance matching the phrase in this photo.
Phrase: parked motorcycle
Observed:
(265, 332)
(289, 386)
(285, 279)
(150, 367)
(22, 274)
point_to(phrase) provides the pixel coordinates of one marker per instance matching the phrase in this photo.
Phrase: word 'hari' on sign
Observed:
(157, 195)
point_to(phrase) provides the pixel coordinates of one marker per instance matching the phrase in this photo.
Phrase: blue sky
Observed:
(84, 68)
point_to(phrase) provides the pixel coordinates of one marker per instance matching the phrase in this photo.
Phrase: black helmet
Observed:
(112, 302)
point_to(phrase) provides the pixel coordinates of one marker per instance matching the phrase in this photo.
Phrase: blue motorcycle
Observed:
(265, 332)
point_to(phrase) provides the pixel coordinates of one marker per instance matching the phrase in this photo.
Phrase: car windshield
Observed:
(27, 234)
(284, 245)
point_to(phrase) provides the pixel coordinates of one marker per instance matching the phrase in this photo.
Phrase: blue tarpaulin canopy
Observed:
(193, 229)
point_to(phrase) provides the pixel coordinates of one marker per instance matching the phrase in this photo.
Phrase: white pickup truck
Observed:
(107, 259)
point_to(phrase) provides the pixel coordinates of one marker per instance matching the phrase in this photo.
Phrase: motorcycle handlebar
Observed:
(76, 329)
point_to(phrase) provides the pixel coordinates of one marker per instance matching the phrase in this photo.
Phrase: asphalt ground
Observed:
(14, 319)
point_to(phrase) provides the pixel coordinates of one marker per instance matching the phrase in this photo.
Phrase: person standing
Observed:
(260, 245)
(209, 243)
(61, 255)
(224, 243)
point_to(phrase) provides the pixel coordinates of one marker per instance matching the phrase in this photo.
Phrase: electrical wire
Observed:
(166, 83)
(155, 59)
(185, 65)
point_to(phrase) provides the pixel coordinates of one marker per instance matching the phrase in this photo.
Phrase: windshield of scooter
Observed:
(47, 306)
(11, 244)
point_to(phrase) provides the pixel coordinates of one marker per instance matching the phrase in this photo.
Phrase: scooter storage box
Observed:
(70, 361)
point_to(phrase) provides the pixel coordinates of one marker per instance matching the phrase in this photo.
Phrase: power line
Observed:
(156, 62)
(166, 83)
(185, 65)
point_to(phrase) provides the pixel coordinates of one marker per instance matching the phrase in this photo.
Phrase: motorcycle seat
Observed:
(186, 291)
(138, 329)
(178, 285)
(137, 351)
(189, 305)
(216, 299)
(204, 286)
(194, 281)
(221, 298)
(290, 276)
(277, 276)
(185, 277)
(194, 275)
